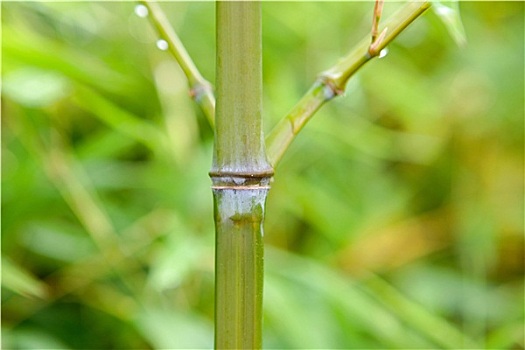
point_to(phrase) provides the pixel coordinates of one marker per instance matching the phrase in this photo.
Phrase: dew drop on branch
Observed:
(383, 52)
(141, 11)
(162, 44)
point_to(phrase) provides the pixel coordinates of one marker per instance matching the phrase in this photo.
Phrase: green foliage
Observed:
(394, 221)
(451, 18)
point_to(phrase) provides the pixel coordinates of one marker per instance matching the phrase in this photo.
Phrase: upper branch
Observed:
(200, 89)
(332, 82)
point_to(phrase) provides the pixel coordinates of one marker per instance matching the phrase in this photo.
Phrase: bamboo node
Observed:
(241, 181)
(330, 88)
(199, 90)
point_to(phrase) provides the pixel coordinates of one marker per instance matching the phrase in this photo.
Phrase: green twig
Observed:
(332, 82)
(200, 89)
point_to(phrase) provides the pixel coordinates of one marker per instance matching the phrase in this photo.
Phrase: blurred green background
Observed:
(395, 219)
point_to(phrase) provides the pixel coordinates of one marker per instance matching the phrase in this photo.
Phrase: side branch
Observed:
(376, 38)
(200, 89)
(333, 81)
(378, 10)
(284, 132)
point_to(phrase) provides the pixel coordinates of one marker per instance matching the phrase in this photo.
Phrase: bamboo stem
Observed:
(332, 82)
(200, 89)
(239, 141)
(241, 175)
(239, 215)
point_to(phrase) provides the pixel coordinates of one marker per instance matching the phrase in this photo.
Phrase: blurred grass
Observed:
(395, 220)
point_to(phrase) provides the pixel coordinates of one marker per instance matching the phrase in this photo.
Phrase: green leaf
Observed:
(35, 87)
(23, 47)
(21, 281)
(449, 15)
(30, 338)
(167, 328)
(120, 119)
(175, 261)
(436, 328)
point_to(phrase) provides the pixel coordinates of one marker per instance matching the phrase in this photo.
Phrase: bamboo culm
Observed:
(240, 177)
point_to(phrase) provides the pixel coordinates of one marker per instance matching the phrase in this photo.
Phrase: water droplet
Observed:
(383, 52)
(162, 44)
(141, 11)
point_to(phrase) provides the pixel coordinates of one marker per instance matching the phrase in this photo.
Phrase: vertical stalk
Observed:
(240, 175)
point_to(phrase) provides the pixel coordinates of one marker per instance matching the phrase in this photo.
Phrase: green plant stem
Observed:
(200, 89)
(332, 82)
(241, 175)
(239, 215)
(239, 141)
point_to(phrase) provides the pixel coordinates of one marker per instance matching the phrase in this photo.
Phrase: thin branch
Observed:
(373, 49)
(200, 89)
(332, 82)
(378, 10)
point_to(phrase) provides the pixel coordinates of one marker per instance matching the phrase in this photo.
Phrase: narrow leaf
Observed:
(119, 119)
(449, 15)
(21, 281)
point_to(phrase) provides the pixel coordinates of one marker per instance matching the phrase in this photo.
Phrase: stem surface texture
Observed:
(241, 176)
